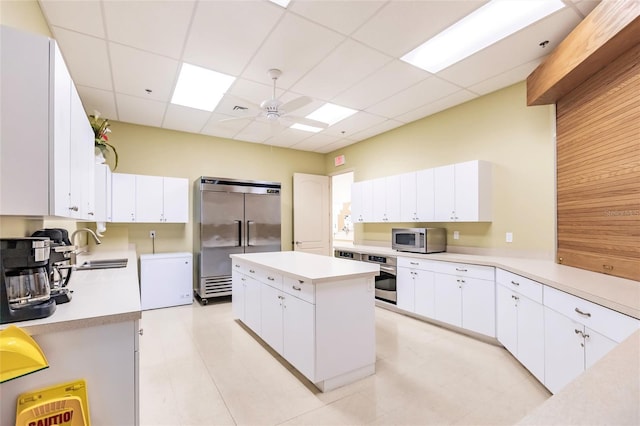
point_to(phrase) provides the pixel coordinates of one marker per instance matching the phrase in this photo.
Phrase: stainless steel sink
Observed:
(102, 264)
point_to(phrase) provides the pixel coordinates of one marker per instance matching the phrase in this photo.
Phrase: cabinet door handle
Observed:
(296, 288)
(460, 281)
(236, 265)
(586, 314)
(271, 278)
(414, 263)
(461, 270)
(252, 271)
(515, 283)
(141, 331)
(74, 208)
(301, 281)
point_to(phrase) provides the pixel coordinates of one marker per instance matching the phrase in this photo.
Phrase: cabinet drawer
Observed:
(239, 266)
(612, 324)
(466, 270)
(522, 285)
(301, 289)
(417, 263)
(269, 277)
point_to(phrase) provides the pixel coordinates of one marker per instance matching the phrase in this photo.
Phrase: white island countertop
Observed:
(100, 296)
(311, 267)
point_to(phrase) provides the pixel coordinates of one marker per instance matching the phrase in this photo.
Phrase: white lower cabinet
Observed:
(465, 297)
(271, 313)
(247, 302)
(415, 284)
(520, 319)
(577, 333)
(298, 337)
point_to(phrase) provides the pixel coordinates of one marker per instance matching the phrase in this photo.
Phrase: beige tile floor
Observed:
(200, 367)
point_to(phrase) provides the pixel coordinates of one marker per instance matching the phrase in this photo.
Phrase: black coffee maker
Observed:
(59, 267)
(25, 289)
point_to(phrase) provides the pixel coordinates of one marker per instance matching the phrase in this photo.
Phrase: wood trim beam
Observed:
(611, 29)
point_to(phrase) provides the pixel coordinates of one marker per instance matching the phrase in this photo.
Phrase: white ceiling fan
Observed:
(275, 112)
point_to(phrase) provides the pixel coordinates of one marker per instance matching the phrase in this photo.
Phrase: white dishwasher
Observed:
(166, 279)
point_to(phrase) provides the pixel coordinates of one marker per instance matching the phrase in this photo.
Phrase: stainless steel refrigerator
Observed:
(232, 216)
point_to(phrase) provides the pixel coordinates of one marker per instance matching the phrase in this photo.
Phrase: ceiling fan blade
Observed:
(308, 121)
(296, 103)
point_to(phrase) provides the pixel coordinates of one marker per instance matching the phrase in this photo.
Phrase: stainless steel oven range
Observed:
(385, 282)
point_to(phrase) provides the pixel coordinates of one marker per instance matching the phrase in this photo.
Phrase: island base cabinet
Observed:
(246, 304)
(344, 353)
(104, 356)
(271, 300)
(298, 340)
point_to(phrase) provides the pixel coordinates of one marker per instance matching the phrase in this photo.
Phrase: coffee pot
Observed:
(25, 288)
(59, 267)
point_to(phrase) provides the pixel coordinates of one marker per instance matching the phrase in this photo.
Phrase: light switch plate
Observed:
(509, 237)
(456, 235)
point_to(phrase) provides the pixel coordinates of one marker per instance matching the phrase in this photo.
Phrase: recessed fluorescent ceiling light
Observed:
(331, 113)
(200, 88)
(283, 3)
(485, 26)
(306, 128)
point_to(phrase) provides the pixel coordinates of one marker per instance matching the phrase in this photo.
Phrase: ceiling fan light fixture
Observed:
(487, 25)
(200, 88)
(331, 113)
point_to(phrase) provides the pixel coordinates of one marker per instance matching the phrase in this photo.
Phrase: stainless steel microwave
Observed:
(419, 240)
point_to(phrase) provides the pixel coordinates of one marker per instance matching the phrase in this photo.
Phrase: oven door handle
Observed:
(388, 269)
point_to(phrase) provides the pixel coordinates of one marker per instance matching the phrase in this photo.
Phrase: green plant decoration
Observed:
(100, 128)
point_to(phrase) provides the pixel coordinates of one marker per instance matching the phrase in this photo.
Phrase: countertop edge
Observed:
(533, 269)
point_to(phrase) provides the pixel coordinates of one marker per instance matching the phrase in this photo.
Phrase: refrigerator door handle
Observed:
(249, 222)
(239, 222)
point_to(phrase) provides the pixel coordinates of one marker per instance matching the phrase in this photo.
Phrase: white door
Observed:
(425, 293)
(176, 200)
(311, 214)
(478, 306)
(530, 336)
(149, 205)
(564, 350)
(405, 286)
(123, 197)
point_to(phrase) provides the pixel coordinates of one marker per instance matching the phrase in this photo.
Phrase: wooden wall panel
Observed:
(598, 171)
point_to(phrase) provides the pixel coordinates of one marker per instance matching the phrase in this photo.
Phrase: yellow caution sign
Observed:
(65, 404)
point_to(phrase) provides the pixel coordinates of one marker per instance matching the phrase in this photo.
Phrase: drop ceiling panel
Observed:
(400, 26)
(392, 78)
(354, 124)
(185, 119)
(156, 26)
(342, 16)
(225, 129)
(98, 100)
(136, 70)
(86, 57)
(507, 78)
(427, 91)
(225, 35)
(140, 111)
(316, 142)
(294, 47)
(385, 126)
(518, 49)
(81, 16)
(326, 148)
(255, 131)
(287, 137)
(447, 102)
(345, 66)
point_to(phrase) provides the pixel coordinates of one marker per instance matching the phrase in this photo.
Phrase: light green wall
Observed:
(499, 128)
(161, 152)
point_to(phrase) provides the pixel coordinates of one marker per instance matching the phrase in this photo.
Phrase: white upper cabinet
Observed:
(454, 193)
(175, 195)
(149, 199)
(103, 193)
(462, 192)
(386, 199)
(416, 196)
(40, 169)
(362, 201)
(123, 197)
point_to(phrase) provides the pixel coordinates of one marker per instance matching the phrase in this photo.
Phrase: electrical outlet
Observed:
(152, 234)
(509, 237)
(456, 235)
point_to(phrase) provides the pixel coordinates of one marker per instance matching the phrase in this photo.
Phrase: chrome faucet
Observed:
(93, 234)
(73, 236)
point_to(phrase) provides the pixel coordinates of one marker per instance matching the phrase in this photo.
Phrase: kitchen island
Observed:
(92, 337)
(317, 312)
